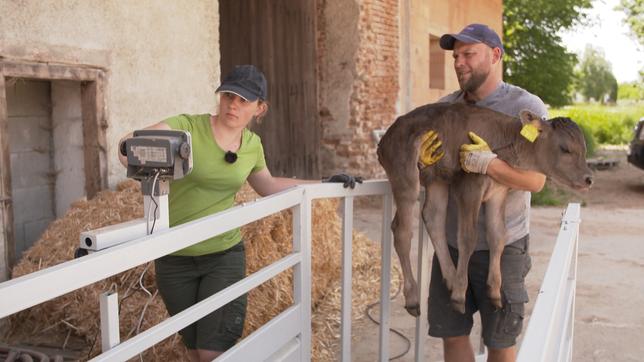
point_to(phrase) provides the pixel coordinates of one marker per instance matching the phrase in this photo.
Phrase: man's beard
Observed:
(475, 81)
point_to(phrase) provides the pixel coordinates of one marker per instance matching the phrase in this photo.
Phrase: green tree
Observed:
(535, 59)
(634, 10)
(596, 80)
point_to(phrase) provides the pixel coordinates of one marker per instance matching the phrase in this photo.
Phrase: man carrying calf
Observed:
(477, 52)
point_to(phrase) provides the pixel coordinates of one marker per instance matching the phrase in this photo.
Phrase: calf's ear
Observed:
(527, 117)
(532, 125)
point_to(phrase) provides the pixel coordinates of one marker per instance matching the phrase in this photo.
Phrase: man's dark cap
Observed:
(473, 33)
(245, 81)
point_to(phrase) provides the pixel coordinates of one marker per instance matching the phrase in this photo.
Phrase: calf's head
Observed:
(559, 150)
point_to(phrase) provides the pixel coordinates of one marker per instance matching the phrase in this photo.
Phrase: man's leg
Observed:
(446, 323)
(502, 355)
(458, 349)
(501, 327)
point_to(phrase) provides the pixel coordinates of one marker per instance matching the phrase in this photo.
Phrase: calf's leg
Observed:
(401, 226)
(496, 238)
(434, 216)
(469, 194)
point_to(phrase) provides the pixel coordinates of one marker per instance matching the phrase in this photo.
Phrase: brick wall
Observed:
(364, 99)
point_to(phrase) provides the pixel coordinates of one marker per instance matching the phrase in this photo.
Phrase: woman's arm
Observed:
(265, 184)
(123, 159)
(515, 178)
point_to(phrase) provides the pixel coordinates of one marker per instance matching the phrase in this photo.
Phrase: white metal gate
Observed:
(287, 337)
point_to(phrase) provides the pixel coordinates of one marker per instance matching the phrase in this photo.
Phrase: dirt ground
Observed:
(609, 313)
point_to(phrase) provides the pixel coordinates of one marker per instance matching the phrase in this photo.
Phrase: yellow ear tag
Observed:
(530, 132)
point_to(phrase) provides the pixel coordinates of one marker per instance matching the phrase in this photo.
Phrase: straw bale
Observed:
(266, 241)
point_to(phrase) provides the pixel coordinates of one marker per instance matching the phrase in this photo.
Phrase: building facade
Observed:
(77, 76)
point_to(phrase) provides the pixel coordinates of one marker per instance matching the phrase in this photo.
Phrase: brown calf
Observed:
(558, 152)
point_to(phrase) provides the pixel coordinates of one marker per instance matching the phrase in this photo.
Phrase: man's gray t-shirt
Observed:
(510, 100)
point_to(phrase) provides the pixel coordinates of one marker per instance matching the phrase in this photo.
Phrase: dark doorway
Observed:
(52, 147)
(279, 38)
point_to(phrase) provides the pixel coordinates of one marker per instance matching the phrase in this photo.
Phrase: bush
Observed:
(591, 145)
(607, 124)
(549, 196)
(553, 195)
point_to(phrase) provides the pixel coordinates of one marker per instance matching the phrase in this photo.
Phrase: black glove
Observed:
(346, 180)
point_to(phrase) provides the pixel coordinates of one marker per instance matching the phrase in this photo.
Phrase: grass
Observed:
(551, 196)
(611, 125)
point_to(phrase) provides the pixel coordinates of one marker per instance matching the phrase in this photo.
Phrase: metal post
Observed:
(347, 238)
(385, 278)
(302, 271)
(423, 287)
(109, 320)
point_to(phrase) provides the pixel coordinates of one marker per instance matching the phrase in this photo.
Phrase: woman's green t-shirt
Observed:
(213, 182)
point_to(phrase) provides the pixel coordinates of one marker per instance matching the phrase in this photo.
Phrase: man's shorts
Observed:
(500, 327)
(185, 280)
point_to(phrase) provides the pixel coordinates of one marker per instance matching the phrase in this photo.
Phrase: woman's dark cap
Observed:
(245, 81)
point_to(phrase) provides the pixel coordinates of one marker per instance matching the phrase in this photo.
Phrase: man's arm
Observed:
(515, 178)
(478, 158)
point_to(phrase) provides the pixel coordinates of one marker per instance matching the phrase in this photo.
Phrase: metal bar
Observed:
(26, 291)
(423, 287)
(385, 278)
(367, 188)
(347, 241)
(156, 334)
(302, 271)
(541, 337)
(264, 341)
(290, 352)
(160, 212)
(109, 304)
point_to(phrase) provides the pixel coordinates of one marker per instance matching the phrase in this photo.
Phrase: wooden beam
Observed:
(49, 71)
(94, 138)
(6, 205)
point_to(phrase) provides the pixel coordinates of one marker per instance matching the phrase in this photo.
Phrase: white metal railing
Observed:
(549, 334)
(293, 341)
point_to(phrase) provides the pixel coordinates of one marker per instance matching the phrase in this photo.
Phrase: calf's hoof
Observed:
(495, 297)
(496, 302)
(458, 305)
(414, 310)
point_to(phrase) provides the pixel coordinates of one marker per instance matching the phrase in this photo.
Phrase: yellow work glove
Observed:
(429, 149)
(476, 156)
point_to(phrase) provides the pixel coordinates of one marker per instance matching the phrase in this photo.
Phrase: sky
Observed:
(609, 33)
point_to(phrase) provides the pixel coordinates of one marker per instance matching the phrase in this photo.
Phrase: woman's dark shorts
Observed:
(500, 327)
(185, 280)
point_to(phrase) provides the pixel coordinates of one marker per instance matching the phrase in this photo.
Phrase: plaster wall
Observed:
(436, 17)
(161, 58)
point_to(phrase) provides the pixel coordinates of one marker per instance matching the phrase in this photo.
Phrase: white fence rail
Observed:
(287, 337)
(549, 335)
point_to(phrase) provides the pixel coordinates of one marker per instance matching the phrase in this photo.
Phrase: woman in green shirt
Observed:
(225, 155)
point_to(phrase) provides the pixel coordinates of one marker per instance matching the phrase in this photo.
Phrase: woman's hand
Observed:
(346, 180)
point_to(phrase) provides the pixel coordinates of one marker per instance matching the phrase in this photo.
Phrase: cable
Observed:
(395, 331)
(141, 280)
(156, 205)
